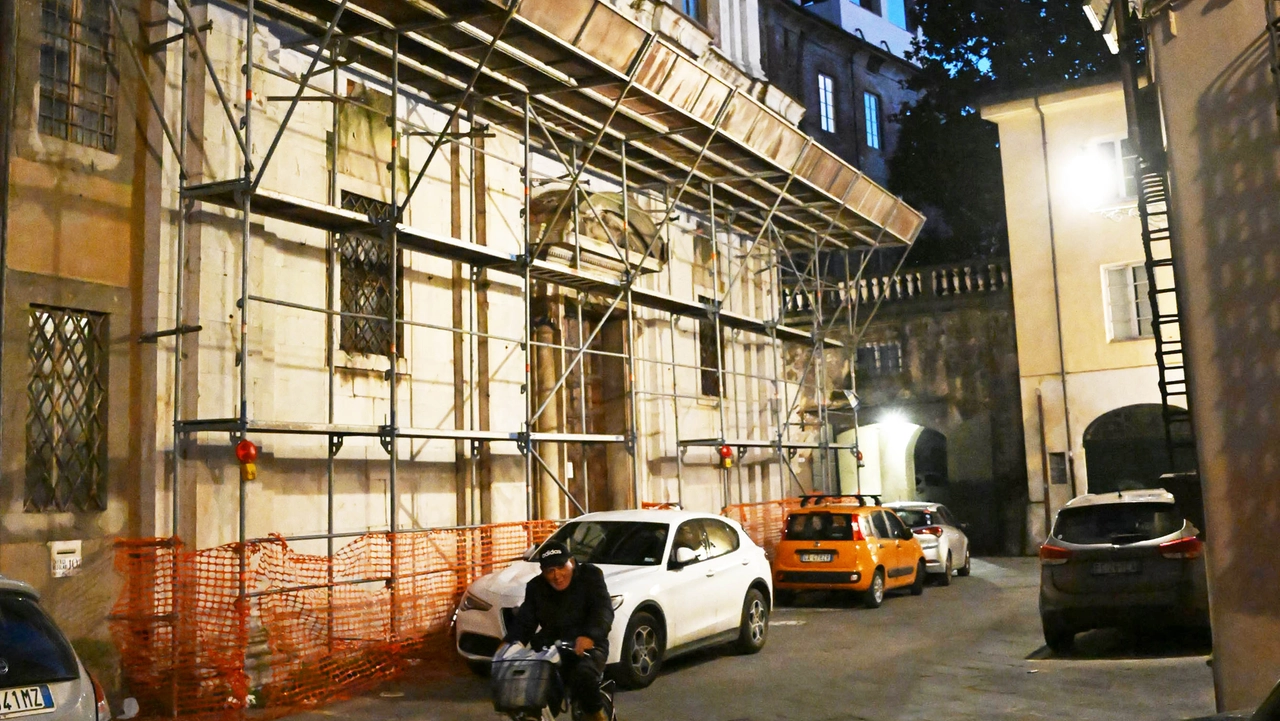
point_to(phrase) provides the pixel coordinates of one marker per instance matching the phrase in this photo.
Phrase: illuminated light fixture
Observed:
(1091, 178)
(895, 418)
(726, 456)
(247, 454)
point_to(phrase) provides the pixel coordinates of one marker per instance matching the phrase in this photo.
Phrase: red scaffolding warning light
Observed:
(726, 456)
(247, 454)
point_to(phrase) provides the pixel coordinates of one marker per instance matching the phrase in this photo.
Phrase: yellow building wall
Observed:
(1058, 230)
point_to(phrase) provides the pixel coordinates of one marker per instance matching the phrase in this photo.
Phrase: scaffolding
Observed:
(632, 111)
(600, 109)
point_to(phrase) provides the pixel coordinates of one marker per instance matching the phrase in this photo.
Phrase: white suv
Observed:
(679, 581)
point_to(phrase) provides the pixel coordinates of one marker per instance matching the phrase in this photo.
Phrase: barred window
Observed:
(365, 277)
(78, 73)
(66, 423)
(880, 359)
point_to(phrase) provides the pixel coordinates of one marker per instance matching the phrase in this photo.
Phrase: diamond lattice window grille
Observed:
(66, 420)
(366, 269)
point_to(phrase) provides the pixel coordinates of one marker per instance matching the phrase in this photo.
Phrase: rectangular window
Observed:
(880, 359)
(66, 464)
(693, 8)
(1118, 161)
(710, 351)
(827, 102)
(366, 271)
(1128, 304)
(872, 5)
(1058, 468)
(77, 76)
(871, 108)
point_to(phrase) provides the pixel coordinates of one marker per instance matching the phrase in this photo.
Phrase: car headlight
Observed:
(616, 601)
(472, 602)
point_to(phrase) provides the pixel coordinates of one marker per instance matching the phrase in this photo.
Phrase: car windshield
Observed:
(914, 517)
(820, 527)
(1117, 523)
(31, 647)
(623, 543)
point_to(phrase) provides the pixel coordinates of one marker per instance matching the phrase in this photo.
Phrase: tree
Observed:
(948, 158)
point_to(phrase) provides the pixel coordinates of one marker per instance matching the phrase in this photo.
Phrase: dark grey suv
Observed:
(1120, 559)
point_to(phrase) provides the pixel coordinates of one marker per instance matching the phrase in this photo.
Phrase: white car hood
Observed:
(506, 587)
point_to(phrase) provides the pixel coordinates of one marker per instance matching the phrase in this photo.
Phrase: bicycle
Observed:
(527, 685)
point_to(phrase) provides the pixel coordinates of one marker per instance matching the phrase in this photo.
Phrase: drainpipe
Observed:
(1057, 304)
(8, 103)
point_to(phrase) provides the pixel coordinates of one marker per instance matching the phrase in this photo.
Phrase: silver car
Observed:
(40, 675)
(1127, 558)
(941, 537)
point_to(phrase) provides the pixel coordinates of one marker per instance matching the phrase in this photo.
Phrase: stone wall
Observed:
(954, 326)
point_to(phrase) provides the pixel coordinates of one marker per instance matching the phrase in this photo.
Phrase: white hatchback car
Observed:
(679, 581)
(941, 537)
(40, 675)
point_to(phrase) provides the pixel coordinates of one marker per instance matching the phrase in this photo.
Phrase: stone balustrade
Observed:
(914, 284)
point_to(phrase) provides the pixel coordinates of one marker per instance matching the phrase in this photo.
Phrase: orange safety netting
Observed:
(763, 522)
(303, 629)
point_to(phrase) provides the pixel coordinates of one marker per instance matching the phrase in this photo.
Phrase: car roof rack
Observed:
(823, 499)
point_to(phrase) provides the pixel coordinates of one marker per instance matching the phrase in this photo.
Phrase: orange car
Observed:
(849, 544)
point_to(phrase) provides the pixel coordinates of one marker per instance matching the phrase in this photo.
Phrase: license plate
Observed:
(25, 701)
(1111, 568)
(817, 557)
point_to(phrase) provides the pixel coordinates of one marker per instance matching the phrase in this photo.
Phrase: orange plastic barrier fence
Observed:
(763, 521)
(306, 629)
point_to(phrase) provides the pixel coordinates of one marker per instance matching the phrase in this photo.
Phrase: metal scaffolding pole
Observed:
(391, 234)
(526, 446)
(633, 441)
(245, 249)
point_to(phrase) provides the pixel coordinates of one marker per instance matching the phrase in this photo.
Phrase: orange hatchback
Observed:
(846, 543)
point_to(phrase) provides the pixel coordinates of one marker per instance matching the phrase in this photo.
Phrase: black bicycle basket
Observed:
(523, 683)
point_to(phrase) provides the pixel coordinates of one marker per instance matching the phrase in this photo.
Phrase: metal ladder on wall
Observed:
(1273, 34)
(1166, 321)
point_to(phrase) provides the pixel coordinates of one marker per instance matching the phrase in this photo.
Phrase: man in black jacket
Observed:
(569, 602)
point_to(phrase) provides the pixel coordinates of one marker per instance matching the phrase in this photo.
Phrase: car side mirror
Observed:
(906, 534)
(683, 556)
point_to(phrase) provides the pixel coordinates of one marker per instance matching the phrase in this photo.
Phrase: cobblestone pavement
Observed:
(972, 650)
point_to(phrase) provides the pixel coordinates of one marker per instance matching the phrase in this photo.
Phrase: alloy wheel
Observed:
(757, 620)
(644, 650)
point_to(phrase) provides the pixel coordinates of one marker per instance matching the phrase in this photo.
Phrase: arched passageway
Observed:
(1126, 449)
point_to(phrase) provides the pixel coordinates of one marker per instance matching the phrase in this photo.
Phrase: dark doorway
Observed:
(1125, 449)
(599, 386)
(930, 458)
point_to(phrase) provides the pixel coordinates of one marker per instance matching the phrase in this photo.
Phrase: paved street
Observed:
(969, 651)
